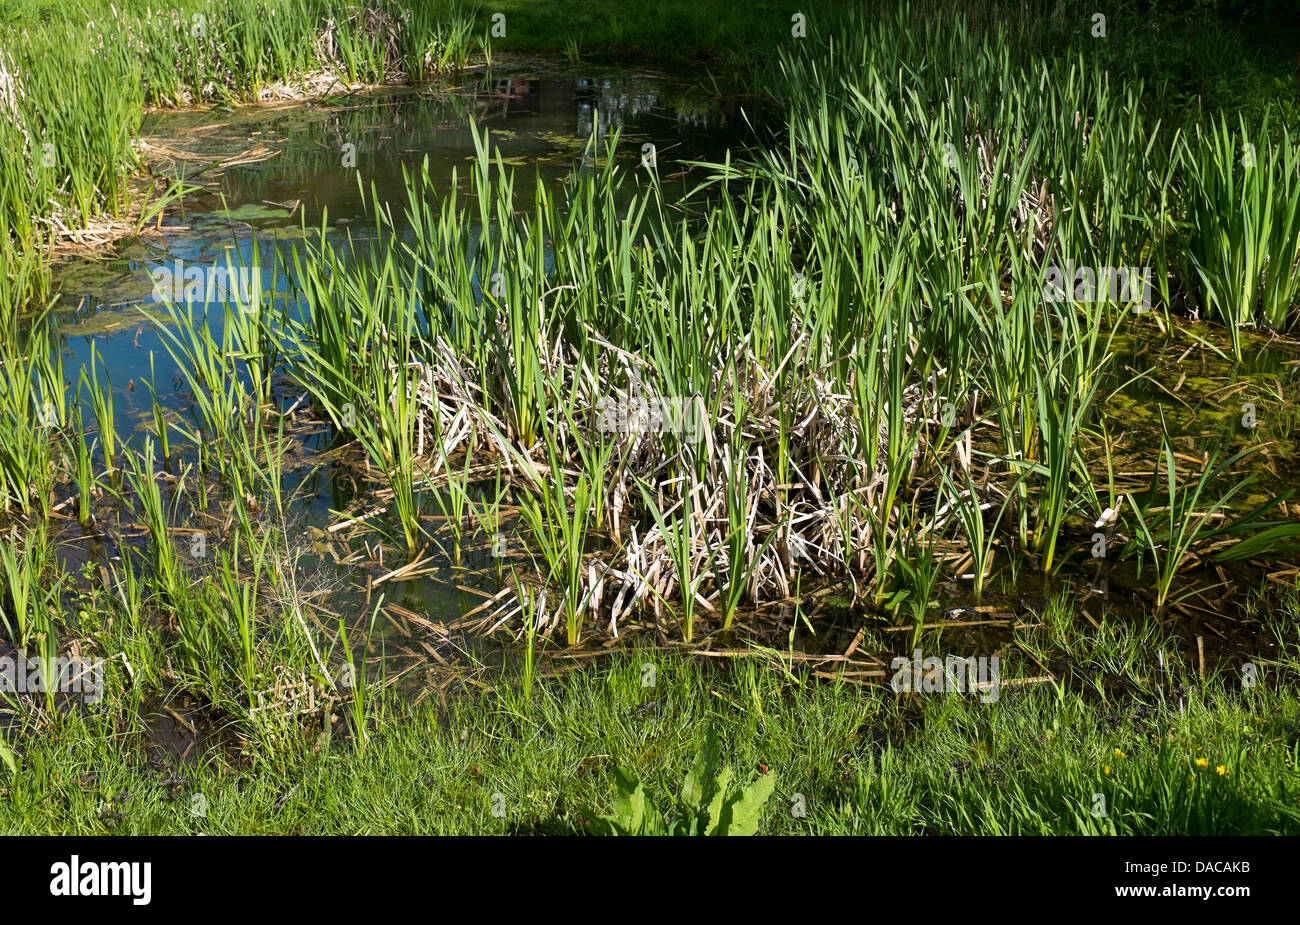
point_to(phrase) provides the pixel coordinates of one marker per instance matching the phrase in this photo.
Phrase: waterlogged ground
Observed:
(267, 176)
(265, 170)
(264, 177)
(1181, 382)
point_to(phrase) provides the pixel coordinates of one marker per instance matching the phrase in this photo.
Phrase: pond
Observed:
(265, 178)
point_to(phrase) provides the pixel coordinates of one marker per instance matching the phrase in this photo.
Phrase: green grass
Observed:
(814, 300)
(1244, 234)
(846, 760)
(673, 30)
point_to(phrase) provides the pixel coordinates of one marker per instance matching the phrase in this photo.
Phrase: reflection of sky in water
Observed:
(604, 107)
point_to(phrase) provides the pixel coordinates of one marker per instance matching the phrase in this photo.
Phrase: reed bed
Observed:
(832, 367)
(792, 377)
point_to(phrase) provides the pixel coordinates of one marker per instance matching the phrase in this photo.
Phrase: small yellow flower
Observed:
(1105, 769)
(1120, 754)
(1222, 769)
(1202, 762)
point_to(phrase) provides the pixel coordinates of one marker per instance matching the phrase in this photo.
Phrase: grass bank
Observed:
(1172, 755)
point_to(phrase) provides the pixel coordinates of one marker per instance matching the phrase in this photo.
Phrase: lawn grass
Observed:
(846, 760)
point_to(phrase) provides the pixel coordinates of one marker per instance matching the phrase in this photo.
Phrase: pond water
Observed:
(267, 176)
(306, 179)
(270, 174)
